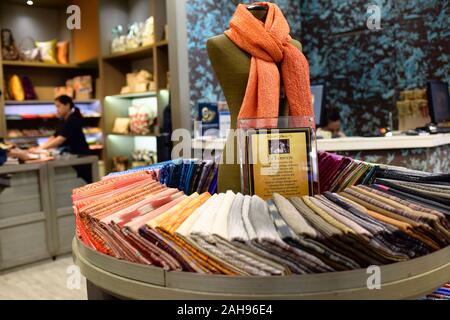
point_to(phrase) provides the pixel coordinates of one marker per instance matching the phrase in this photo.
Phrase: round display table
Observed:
(126, 280)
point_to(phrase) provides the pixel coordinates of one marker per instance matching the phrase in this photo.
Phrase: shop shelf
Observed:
(30, 64)
(132, 135)
(136, 95)
(138, 53)
(35, 117)
(29, 137)
(34, 102)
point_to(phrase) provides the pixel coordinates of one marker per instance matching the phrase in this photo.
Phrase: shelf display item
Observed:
(28, 88)
(121, 126)
(134, 36)
(79, 88)
(63, 90)
(47, 50)
(15, 88)
(82, 86)
(62, 52)
(9, 48)
(139, 81)
(29, 51)
(148, 36)
(142, 119)
(29, 133)
(118, 42)
(143, 158)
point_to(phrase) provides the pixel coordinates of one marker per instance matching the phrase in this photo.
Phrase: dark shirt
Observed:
(72, 130)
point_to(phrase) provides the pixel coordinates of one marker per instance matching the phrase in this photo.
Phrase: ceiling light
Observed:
(30, 2)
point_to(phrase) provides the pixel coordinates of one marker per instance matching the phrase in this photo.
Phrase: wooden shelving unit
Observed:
(115, 66)
(93, 57)
(46, 23)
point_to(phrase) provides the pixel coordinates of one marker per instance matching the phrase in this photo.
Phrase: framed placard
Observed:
(279, 160)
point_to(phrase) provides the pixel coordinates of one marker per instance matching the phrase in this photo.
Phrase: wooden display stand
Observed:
(121, 279)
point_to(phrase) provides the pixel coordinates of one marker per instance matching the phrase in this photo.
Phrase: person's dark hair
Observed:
(65, 99)
(333, 115)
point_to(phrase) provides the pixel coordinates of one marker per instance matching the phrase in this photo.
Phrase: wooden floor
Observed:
(47, 280)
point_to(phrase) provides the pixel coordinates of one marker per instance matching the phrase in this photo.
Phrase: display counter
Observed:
(429, 153)
(36, 218)
(122, 279)
(424, 152)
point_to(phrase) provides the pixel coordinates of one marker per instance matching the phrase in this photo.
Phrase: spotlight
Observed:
(30, 2)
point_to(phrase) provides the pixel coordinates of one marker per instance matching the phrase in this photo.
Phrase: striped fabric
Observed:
(178, 225)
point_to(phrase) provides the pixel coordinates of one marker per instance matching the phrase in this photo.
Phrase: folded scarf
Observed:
(201, 232)
(414, 191)
(293, 218)
(268, 239)
(378, 233)
(220, 226)
(417, 230)
(389, 233)
(269, 44)
(335, 238)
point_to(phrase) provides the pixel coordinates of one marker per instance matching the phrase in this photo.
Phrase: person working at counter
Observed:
(331, 127)
(69, 137)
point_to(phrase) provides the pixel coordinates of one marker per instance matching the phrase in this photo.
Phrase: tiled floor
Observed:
(47, 280)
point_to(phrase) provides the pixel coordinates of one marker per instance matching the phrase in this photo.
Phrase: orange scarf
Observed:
(269, 44)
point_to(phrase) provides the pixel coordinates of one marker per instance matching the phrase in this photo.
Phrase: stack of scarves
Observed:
(338, 172)
(136, 218)
(188, 175)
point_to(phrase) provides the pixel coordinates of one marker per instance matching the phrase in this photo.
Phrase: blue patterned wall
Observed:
(364, 70)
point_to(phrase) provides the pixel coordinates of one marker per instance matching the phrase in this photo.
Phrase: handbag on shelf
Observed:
(29, 51)
(9, 48)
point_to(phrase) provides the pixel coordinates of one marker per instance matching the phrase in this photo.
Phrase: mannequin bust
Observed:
(232, 66)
